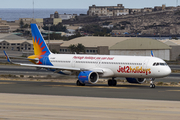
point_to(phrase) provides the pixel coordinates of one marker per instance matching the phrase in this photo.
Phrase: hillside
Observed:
(157, 23)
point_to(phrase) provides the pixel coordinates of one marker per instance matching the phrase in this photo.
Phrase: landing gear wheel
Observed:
(78, 83)
(152, 86)
(112, 82)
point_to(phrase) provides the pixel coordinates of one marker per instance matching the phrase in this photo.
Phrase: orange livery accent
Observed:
(38, 51)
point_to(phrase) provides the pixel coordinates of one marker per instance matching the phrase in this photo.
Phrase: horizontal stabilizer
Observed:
(9, 60)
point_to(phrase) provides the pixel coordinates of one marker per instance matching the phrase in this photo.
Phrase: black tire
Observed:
(78, 83)
(152, 86)
(114, 82)
(110, 83)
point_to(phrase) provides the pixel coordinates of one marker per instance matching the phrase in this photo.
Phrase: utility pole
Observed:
(49, 25)
(33, 9)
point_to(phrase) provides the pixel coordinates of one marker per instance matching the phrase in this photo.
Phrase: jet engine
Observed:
(88, 77)
(136, 80)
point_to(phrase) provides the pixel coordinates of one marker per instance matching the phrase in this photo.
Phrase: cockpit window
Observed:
(162, 63)
(159, 64)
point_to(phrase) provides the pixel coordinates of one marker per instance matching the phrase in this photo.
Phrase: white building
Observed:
(63, 16)
(107, 10)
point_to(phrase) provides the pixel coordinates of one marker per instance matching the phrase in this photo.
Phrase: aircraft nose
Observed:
(167, 71)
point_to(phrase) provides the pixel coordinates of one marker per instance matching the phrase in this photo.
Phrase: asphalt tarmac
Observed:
(50, 107)
(24, 98)
(97, 90)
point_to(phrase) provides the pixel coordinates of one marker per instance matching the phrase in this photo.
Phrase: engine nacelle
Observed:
(136, 80)
(88, 77)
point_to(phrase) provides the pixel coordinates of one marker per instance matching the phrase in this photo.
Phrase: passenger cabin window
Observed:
(159, 64)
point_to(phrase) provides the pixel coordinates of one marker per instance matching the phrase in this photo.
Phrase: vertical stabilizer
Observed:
(40, 47)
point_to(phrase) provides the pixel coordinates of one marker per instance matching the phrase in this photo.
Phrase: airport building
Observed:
(167, 49)
(51, 21)
(175, 48)
(16, 45)
(38, 21)
(4, 28)
(107, 10)
(118, 46)
(63, 16)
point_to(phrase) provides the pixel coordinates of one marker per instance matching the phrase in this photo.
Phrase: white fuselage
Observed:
(114, 66)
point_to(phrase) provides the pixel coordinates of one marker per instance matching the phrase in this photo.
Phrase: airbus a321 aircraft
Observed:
(136, 69)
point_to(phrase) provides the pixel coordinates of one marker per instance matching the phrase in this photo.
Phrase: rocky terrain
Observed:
(155, 23)
(163, 23)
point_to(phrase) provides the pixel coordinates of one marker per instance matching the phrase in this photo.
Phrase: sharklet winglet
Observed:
(152, 55)
(7, 57)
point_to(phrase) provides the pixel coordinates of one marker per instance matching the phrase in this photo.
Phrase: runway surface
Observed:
(27, 99)
(97, 90)
(49, 107)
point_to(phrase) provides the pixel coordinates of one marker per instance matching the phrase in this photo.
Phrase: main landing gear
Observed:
(78, 83)
(112, 82)
(152, 85)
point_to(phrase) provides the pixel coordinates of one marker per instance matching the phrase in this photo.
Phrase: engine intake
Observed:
(136, 80)
(88, 77)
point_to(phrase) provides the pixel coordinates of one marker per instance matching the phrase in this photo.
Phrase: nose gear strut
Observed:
(152, 85)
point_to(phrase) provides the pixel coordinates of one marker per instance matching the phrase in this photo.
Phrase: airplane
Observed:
(89, 68)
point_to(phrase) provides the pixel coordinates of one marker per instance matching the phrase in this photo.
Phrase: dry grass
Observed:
(175, 71)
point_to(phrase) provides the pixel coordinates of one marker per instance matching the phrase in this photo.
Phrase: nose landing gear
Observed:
(152, 85)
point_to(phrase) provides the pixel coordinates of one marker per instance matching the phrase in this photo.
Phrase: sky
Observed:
(84, 4)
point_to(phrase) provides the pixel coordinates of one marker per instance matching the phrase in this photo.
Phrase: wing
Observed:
(63, 68)
(51, 67)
